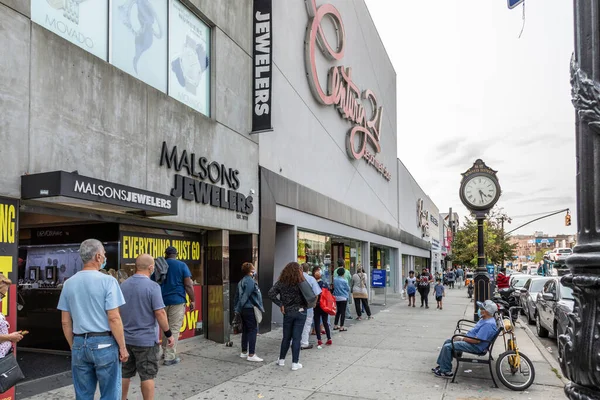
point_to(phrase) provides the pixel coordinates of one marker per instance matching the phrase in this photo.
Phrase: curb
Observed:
(543, 351)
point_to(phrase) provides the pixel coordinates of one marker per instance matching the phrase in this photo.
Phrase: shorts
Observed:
(412, 294)
(438, 298)
(143, 360)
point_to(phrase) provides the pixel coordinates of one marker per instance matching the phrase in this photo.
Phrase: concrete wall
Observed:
(308, 144)
(409, 193)
(77, 112)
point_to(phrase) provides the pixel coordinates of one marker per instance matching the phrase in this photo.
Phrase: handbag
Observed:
(257, 315)
(10, 372)
(236, 324)
(309, 295)
(327, 302)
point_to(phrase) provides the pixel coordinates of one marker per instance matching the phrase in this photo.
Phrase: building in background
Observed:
(530, 248)
(451, 223)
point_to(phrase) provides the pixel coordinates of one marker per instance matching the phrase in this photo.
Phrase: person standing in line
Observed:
(143, 309)
(320, 315)
(460, 277)
(177, 283)
(246, 298)
(410, 285)
(341, 291)
(440, 292)
(286, 294)
(360, 292)
(310, 312)
(424, 287)
(348, 277)
(89, 304)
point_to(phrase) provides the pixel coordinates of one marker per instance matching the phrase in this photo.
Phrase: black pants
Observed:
(424, 292)
(321, 315)
(451, 284)
(249, 330)
(341, 312)
(365, 304)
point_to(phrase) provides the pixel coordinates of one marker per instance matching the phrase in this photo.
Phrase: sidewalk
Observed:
(389, 357)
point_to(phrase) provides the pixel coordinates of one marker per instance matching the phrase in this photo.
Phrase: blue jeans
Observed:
(95, 361)
(249, 330)
(445, 358)
(293, 324)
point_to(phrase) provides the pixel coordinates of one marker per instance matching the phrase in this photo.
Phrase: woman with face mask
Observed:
(321, 316)
(248, 303)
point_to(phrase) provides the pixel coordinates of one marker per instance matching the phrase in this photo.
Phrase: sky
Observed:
(469, 88)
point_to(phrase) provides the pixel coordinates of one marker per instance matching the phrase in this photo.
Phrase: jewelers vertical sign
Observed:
(261, 70)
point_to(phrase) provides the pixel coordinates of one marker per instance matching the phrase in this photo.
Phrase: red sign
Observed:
(191, 318)
(342, 92)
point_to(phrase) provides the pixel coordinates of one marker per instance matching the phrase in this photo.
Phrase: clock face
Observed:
(480, 191)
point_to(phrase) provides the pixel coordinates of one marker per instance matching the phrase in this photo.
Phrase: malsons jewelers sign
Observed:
(342, 92)
(194, 188)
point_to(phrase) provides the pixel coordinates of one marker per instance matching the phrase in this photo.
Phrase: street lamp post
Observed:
(580, 346)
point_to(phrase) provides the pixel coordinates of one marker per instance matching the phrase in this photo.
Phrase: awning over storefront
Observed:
(72, 189)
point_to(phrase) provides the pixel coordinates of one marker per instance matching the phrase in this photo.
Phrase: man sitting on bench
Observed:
(485, 329)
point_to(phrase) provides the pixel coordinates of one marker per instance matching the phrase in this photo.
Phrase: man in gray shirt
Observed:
(304, 345)
(143, 307)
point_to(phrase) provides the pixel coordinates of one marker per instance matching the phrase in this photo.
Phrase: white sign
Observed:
(139, 40)
(81, 22)
(189, 58)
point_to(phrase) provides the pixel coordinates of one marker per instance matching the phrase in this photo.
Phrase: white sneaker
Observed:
(281, 363)
(255, 358)
(296, 367)
(244, 355)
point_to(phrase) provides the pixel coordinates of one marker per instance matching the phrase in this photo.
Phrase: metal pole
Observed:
(481, 278)
(580, 346)
(503, 237)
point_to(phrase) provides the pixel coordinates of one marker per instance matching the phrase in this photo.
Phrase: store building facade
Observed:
(329, 175)
(140, 144)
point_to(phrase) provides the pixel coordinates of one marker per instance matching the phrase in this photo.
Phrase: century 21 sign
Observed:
(342, 92)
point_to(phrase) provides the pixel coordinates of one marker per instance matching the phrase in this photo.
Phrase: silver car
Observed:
(529, 294)
(554, 304)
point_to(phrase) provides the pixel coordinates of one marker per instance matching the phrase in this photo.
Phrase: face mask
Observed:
(253, 273)
(479, 313)
(103, 264)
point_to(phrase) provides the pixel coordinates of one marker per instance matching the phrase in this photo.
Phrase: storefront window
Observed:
(382, 258)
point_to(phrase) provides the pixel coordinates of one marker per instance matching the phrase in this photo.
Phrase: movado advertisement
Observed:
(189, 58)
(139, 40)
(82, 22)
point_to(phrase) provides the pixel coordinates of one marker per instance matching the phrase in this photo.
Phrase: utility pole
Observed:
(503, 238)
(580, 346)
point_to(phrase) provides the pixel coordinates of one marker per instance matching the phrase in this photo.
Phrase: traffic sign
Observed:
(513, 3)
(378, 278)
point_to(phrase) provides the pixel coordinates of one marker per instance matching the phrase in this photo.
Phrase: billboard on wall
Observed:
(9, 228)
(81, 22)
(189, 58)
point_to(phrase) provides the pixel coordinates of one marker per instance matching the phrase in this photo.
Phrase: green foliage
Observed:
(496, 244)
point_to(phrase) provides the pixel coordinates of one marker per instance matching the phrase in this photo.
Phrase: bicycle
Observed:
(514, 369)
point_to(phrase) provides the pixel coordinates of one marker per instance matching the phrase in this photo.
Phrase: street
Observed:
(388, 357)
(549, 343)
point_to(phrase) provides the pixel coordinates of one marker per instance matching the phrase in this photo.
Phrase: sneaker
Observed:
(172, 362)
(427, 307)
(307, 347)
(320, 343)
(349, 318)
(445, 375)
(255, 358)
(296, 366)
(414, 305)
(244, 355)
(329, 342)
(421, 305)
(281, 363)
(434, 370)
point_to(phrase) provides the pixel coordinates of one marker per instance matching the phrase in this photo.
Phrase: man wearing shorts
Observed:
(143, 308)
(410, 285)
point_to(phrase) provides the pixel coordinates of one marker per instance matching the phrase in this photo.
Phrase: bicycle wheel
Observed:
(515, 371)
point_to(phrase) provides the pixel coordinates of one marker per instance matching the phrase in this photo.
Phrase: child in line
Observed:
(440, 292)
(410, 285)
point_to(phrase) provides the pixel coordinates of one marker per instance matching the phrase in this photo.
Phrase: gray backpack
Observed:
(160, 270)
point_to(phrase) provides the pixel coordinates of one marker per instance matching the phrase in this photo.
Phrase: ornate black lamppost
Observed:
(580, 346)
(479, 192)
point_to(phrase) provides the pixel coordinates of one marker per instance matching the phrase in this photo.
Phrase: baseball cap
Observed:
(171, 250)
(488, 306)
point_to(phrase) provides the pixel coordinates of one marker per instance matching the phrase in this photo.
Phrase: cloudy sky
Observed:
(469, 88)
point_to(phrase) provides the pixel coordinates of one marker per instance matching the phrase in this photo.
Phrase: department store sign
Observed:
(220, 190)
(342, 92)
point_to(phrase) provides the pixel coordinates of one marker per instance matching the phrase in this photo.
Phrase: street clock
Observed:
(479, 188)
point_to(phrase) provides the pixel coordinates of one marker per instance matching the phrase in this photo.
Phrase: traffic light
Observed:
(568, 219)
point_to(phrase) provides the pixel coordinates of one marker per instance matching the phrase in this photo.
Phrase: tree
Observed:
(496, 244)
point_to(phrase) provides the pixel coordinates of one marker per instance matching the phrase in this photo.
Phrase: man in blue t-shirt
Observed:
(177, 283)
(143, 308)
(475, 341)
(92, 325)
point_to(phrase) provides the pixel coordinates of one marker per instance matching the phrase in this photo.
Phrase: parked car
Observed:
(529, 293)
(517, 281)
(560, 252)
(554, 304)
